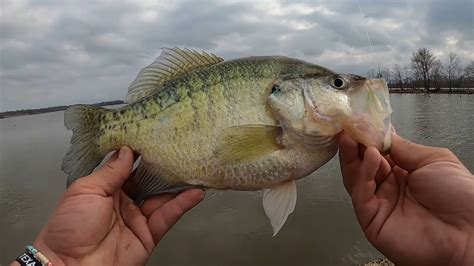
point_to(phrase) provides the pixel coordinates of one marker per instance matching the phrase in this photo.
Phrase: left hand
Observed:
(96, 223)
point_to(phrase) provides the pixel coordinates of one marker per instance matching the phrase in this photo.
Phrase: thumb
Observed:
(411, 156)
(111, 176)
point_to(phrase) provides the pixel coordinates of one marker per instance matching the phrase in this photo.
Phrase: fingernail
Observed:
(201, 194)
(122, 153)
(197, 192)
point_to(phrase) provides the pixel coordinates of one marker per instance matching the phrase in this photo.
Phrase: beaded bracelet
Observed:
(26, 259)
(38, 255)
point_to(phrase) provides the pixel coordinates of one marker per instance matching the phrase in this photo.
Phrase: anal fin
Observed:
(279, 202)
(148, 181)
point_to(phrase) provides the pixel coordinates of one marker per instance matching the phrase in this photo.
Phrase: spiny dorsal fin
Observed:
(171, 63)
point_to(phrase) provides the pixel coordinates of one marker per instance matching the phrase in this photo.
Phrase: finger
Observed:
(151, 204)
(383, 172)
(134, 219)
(362, 148)
(389, 190)
(162, 219)
(348, 149)
(389, 160)
(370, 163)
(349, 160)
(363, 196)
(111, 176)
(399, 172)
(411, 156)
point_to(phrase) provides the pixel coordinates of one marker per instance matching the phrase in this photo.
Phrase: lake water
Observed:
(228, 228)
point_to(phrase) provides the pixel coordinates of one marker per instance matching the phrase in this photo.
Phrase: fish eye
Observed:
(276, 88)
(338, 83)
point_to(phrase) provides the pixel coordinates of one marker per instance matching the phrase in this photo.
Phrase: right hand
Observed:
(416, 205)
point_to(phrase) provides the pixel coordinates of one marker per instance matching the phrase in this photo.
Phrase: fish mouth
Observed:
(370, 122)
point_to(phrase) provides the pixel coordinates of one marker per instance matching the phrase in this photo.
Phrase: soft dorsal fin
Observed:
(171, 63)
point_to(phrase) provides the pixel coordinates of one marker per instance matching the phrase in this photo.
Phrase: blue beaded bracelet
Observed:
(38, 255)
(31, 250)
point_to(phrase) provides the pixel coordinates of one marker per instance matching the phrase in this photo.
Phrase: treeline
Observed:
(50, 109)
(425, 71)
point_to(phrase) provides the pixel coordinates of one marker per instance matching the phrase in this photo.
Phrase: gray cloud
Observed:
(57, 52)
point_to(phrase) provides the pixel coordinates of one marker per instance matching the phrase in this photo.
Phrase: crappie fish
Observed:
(246, 124)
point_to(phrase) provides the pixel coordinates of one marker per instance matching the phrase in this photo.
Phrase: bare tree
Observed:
(409, 77)
(371, 74)
(422, 61)
(469, 75)
(380, 73)
(453, 69)
(383, 73)
(398, 73)
(469, 70)
(436, 73)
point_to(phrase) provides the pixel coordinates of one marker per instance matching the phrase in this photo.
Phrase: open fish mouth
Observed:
(370, 122)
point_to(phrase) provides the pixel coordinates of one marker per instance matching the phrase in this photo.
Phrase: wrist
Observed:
(52, 256)
(39, 248)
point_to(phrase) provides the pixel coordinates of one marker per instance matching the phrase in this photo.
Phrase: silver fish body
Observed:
(246, 124)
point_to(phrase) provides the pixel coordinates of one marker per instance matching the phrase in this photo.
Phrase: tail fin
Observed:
(83, 154)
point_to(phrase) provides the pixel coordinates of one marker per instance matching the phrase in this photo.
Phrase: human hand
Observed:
(416, 205)
(96, 223)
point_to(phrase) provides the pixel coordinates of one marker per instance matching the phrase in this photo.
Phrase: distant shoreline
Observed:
(432, 91)
(8, 114)
(64, 107)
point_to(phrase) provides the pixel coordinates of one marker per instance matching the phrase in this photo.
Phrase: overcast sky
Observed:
(56, 52)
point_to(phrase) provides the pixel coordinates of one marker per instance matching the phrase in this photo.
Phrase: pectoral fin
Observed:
(279, 202)
(245, 143)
